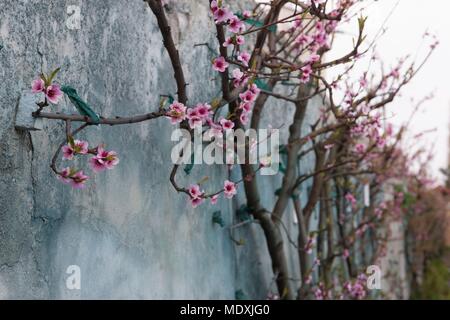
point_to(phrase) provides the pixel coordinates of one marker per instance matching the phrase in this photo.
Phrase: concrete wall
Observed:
(128, 231)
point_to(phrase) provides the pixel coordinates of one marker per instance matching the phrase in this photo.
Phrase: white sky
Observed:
(406, 27)
(404, 36)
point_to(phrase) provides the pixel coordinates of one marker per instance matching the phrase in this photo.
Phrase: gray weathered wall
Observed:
(130, 233)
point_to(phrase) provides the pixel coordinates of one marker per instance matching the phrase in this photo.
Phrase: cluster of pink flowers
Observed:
(197, 195)
(248, 98)
(379, 211)
(101, 161)
(229, 188)
(360, 148)
(202, 114)
(312, 43)
(52, 91)
(177, 112)
(356, 290)
(320, 293)
(76, 179)
(78, 147)
(235, 26)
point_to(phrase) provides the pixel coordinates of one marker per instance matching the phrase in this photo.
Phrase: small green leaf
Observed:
(283, 149)
(217, 218)
(256, 23)
(53, 75)
(171, 99)
(188, 168)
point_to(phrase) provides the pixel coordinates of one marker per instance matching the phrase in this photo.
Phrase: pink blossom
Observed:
(79, 147)
(177, 112)
(308, 279)
(78, 180)
(389, 129)
(236, 25)
(246, 107)
(318, 294)
(64, 175)
(194, 191)
(226, 124)
(248, 96)
(109, 157)
(97, 164)
(195, 122)
(244, 57)
(395, 73)
(247, 14)
(309, 245)
(192, 112)
(53, 93)
(240, 40)
(237, 74)
(306, 73)
(239, 78)
(313, 58)
(196, 194)
(303, 40)
(254, 88)
(204, 110)
(214, 199)
(68, 152)
(222, 15)
(273, 296)
(215, 129)
(244, 118)
(297, 23)
(360, 148)
(229, 189)
(194, 118)
(214, 6)
(38, 85)
(220, 65)
(103, 160)
(228, 42)
(195, 202)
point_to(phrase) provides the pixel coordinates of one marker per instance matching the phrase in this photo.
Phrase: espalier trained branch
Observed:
(278, 51)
